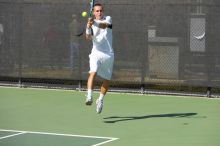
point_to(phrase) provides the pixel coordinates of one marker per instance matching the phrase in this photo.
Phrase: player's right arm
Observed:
(89, 29)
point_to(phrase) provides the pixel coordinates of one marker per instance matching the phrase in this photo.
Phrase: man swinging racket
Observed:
(99, 30)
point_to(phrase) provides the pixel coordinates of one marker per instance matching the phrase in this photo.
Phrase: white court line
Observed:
(105, 142)
(110, 139)
(12, 135)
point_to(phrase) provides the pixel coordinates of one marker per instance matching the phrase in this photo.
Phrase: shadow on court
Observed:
(115, 119)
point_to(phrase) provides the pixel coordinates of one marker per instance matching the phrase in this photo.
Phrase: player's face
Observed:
(98, 12)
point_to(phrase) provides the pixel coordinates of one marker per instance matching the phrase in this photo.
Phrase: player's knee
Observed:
(92, 74)
(106, 82)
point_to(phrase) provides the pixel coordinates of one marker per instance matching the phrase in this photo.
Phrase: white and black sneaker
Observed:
(89, 101)
(99, 105)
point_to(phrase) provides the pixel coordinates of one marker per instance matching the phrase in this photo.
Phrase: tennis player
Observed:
(99, 30)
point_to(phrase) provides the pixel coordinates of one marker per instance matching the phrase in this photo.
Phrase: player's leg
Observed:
(104, 88)
(103, 91)
(94, 65)
(90, 85)
(105, 72)
(90, 82)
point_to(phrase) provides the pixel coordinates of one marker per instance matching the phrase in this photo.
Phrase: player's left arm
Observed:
(106, 24)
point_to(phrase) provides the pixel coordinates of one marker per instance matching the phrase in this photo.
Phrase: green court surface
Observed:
(41, 117)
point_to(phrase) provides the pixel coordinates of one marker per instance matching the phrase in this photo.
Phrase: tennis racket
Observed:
(92, 3)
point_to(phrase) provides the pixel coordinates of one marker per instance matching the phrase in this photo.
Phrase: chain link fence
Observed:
(156, 42)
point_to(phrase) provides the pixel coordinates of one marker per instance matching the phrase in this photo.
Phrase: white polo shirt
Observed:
(102, 38)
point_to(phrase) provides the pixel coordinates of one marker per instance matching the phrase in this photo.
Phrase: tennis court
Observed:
(26, 138)
(41, 117)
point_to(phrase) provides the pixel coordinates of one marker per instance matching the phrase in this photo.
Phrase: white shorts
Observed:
(102, 64)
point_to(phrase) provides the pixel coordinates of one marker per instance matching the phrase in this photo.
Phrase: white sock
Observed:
(89, 93)
(101, 96)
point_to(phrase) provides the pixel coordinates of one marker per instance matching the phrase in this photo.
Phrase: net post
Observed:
(80, 85)
(19, 82)
(142, 88)
(208, 92)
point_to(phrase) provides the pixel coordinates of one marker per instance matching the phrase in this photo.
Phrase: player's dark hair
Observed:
(98, 4)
